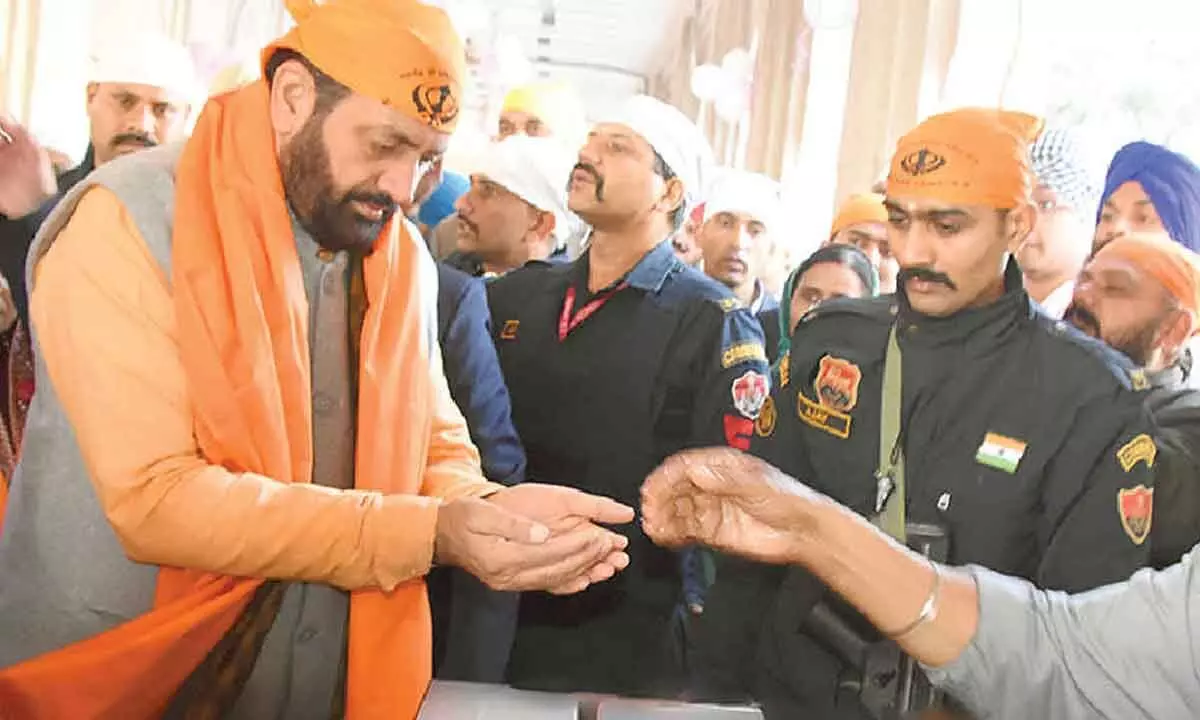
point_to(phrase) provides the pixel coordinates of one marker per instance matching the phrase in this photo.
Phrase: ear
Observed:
(92, 90)
(1021, 221)
(293, 98)
(543, 225)
(1176, 331)
(672, 196)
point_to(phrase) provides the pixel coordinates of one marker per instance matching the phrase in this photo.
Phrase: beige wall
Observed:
(774, 31)
(901, 59)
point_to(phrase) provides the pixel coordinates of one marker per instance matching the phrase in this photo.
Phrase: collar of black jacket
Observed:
(649, 274)
(974, 330)
(68, 180)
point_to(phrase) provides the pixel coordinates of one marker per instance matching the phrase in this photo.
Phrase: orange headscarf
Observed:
(859, 209)
(243, 323)
(1168, 262)
(403, 53)
(971, 156)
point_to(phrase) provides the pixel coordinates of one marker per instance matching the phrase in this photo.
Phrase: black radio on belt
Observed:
(889, 684)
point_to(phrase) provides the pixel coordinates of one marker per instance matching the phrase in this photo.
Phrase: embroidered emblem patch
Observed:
(836, 384)
(750, 391)
(509, 332)
(822, 417)
(1000, 453)
(764, 426)
(1136, 508)
(1139, 449)
(436, 104)
(1138, 380)
(922, 162)
(743, 352)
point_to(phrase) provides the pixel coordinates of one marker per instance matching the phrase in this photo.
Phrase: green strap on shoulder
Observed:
(889, 492)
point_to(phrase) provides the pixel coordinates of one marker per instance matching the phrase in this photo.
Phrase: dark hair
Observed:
(664, 171)
(330, 92)
(840, 254)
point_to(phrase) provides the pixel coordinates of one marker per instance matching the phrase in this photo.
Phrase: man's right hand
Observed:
(511, 552)
(26, 174)
(730, 501)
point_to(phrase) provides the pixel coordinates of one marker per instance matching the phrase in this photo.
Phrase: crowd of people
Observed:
(294, 418)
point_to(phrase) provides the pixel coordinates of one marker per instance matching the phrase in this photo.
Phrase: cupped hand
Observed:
(730, 501)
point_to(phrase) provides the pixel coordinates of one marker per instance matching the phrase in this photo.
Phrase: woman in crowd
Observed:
(834, 271)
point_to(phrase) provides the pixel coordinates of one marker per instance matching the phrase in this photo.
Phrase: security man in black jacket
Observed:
(615, 362)
(955, 404)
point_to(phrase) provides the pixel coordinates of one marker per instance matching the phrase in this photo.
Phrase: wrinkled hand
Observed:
(727, 500)
(26, 174)
(533, 537)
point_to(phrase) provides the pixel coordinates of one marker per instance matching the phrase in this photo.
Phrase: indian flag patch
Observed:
(1000, 453)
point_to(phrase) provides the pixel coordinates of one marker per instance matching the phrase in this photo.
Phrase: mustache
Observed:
(1082, 318)
(926, 274)
(469, 225)
(134, 138)
(382, 200)
(596, 178)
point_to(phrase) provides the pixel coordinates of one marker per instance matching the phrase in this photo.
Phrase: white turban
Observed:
(536, 170)
(147, 59)
(752, 194)
(674, 137)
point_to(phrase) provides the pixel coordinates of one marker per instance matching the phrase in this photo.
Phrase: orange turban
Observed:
(858, 209)
(403, 53)
(971, 156)
(1168, 262)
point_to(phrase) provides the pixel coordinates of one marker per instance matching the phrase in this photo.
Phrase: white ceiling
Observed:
(606, 48)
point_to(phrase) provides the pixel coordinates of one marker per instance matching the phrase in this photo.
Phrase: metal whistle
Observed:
(884, 487)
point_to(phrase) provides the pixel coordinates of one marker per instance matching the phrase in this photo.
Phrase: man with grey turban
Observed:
(1066, 196)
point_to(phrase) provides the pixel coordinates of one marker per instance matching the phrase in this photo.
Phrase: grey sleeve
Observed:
(1122, 652)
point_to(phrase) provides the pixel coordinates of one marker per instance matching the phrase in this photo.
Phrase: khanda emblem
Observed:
(922, 162)
(436, 104)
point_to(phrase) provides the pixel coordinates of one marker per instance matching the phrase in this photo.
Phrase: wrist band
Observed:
(929, 609)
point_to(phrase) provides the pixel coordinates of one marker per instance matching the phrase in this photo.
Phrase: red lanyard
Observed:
(567, 322)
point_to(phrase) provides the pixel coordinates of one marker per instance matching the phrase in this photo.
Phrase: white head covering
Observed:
(675, 138)
(537, 171)
(753, 194)
(147, 59)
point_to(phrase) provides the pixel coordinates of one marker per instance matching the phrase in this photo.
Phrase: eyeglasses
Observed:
(1051, 207)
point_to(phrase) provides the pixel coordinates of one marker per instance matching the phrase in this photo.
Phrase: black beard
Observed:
(308, 185)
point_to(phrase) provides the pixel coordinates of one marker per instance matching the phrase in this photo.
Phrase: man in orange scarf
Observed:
(1140, 294)
(242, 456)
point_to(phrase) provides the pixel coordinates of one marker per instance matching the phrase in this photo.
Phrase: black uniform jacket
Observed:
(1175, 407)
(602, 391)
(1022, 438)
